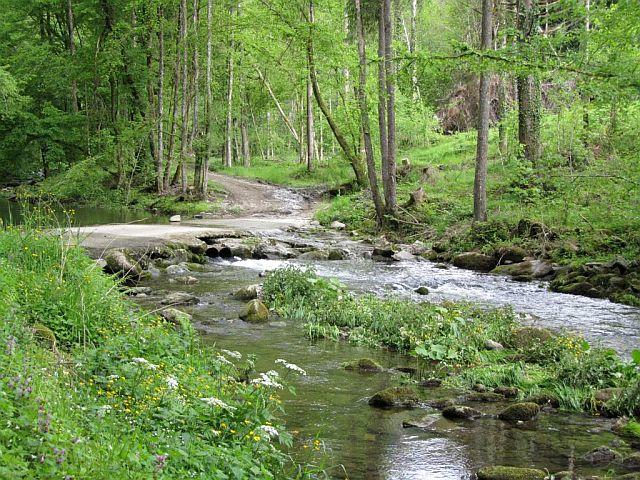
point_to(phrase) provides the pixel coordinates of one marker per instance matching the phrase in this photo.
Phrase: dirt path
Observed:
(250, 198)
(247, 206)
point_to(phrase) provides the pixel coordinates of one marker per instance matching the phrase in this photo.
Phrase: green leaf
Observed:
(635, 356)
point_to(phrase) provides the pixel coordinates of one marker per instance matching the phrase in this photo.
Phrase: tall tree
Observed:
(72, 51)
(160, 149)
(309, 102)
(364, 118)
(228, 133)
(482, 149)
(529, 93)
(208, 104)
(184, 79)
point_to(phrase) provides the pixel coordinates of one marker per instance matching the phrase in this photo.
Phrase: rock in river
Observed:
(174, 315)
(120, 263)
(602, 456)
(394, 397)
(180, 298)
(475, 261)
(254, 312)
(520, 412)
(364, 365)
(460, 412)
(510, 473)
(250, 292)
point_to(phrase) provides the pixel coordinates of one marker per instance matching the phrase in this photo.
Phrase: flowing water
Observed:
(367, 443)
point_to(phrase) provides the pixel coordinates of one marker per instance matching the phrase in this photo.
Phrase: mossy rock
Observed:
(316, 255)
(510, 473)
(254, 312)
(475, 261)
(512, 253)
(485, 397)
(607, 394)
(602, 456)
(250, 292)
(544, 399)
(175, 316)
(422, 290)
(507, 392)
(395, 397)
(584, 289)
(530, 337)
(520, 412)
(363, 365)
(460, 412)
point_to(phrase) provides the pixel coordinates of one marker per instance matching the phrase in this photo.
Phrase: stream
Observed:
(366, 443)
(331, 404)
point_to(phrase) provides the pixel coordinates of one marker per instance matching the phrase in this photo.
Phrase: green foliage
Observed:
(453, 337)
(92, 388)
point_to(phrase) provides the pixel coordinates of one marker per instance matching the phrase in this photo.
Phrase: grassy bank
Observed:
(90, 387)
(451, 341)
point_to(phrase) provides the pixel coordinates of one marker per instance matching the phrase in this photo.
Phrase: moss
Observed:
(394, 397)
(632, 429)
(544, 398)
(520, 412)
(529, 337)
(485, 397)
(363, 365)
(510, 473)
(460, 412)
(254, 312)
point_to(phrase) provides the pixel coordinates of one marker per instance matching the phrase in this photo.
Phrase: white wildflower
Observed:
(172, 383)
(269, 430)
(216, 402)
(223, 359)
(145, 362)
(103, 410)
(232, 354)
(266, 380)
(291, 366)
(273, 374)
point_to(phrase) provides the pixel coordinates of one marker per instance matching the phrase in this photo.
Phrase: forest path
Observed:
(244, 197)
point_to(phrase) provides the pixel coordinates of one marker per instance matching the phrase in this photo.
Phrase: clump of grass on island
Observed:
(90, 387)
(454, 338)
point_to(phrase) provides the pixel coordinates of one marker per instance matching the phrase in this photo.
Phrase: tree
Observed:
(482, 150)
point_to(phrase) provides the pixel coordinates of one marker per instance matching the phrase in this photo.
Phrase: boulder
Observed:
(460, 412)
(180, 298)
(422, 290)
(507, 392)
(395, 397)
(431, 383)
(338, 254)
(511, 254)
(174, 315)
(607, 394)
(250, 292)
(385, 251)
(254, 312)
(584, 289)
(520, 412)
(186, 279)
(510, 473)
(175, 218)
(602, 456)
(479, 387)
(138, 291)
(492, 345)
(337, 225)
(120, 263)
(403, 256)
(177, 270)
(315, 255)
(526, 270)
(425, 422)
(475, 261)
(363, 365)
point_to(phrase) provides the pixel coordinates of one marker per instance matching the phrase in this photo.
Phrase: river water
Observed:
(366, 443)
(360, 442)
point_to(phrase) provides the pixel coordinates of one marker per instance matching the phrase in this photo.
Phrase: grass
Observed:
(332, 173)
(91, 387)
(449, 340)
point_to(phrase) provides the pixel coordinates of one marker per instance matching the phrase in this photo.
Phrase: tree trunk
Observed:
(354, 160)
(197, 165)
(309, 112)
(529, 94)
(244, 138)
(208, 105)
(482, 150)
(390, 190)
(72, 51)
(174, 116)
(382, 100)
(160, 150)
(228, 134)
(184, 135)
(364, 120)
(415, 88)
